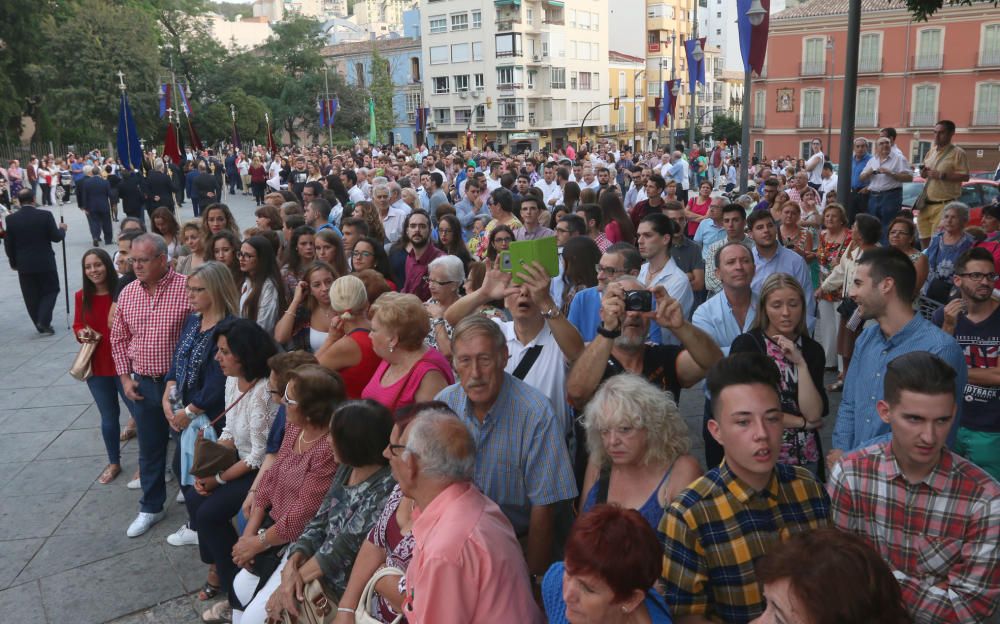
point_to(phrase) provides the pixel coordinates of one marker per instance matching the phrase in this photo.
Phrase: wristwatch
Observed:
(551, 313)
(608, 333)
(262, 536)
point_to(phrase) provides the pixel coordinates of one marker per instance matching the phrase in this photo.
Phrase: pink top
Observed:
(697, 208)
(402, 393)
(467, 565)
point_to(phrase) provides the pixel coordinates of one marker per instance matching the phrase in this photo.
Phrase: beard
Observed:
(627, 342)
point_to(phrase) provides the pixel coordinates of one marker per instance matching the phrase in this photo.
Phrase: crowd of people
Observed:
(418, 432)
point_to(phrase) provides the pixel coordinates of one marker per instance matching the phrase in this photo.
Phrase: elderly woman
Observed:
(348, 347)
(945, 248)
(290, 492)
(638, 446)
(263, 293)
(445, 276)
(410, 371)
(811, 217)
(902, 236)
(792, 235)
(305, 325)
(328, 546)
(779, 331)
(833, 241)
(243, 350)
(194, 243)
(612, 559)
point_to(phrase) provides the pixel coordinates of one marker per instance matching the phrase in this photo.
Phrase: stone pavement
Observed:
(64, 556)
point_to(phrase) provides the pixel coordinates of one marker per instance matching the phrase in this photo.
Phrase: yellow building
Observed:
(625, 84)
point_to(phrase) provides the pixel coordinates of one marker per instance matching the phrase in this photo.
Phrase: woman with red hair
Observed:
(612, 559)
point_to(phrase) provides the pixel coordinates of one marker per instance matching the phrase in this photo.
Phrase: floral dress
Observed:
(387, 535)
(828, 254)
(798, 446)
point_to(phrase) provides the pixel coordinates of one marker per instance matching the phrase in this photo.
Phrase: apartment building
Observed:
(627, 122)
(516, 74)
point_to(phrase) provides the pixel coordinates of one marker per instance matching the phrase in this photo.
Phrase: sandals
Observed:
(128, 433)
(209, 591)
(218, 613)
(109, 474)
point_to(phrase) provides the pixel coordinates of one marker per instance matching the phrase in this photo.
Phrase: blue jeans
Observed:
(106, 391)
(153, 433)
(885, 206)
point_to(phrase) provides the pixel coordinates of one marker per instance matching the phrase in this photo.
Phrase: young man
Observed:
(655, 234)
(591, 215)
(945, 168)
(771, 257)
(718, 527)
(974, 321)
(653, 203)
(531, 210)
(417, 250)
(685, 252)
(932, 515)
(472, 205)
(354, 230)
(551, 190)
(734, 221)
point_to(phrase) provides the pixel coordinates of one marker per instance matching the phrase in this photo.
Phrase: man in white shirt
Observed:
(828, 182)
(655, 233)
(814, 166)
(885, 173)
(589, 180)
(550, 188)
(396, 198)
(350, 179)
(392, 217)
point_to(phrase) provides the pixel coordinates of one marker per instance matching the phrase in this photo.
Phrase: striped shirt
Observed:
(146, 328)
(521, 455)
(719, 526)
(939, 535)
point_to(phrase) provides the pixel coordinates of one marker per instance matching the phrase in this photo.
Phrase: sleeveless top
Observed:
(651, 510)
(357, 376)
(403, 392)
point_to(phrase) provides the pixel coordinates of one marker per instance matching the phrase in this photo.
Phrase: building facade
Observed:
(627, 122)
(910, 75)
(518, 75)
(382, 16)
(353, 61)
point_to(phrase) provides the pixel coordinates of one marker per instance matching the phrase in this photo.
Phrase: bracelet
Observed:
(345, 610)
(219, 479)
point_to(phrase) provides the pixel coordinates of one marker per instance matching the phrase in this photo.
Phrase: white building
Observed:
(382, 16)
(275, 10)
(513, 73)
(248, 32)
(717, 22)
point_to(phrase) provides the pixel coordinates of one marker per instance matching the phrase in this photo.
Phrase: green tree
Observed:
(382, 92)
(21, 77)
(295, 45)
(923, 9)
(728, 128)
(215, 123)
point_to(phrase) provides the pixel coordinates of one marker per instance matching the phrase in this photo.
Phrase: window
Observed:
(558, 78)
(925, 105)
(508, 44)
(442, 115)
(584, 81)
(814, 56)
(481, 114)
(359, 74)
(460, 21)
(572, 80)
(438, 24)
(812, 109)
(595, 81)
(459, 52)
(987, 112)
(989, 51)
(510, 110)
(441, 84)
(412, 104)
(622, 88)
(477, 50)
(583, 20)
(593, 22)
(572, 49)
(621, 118)
(531, 79)
(461, 83)
(477, 19)
(463, 115)
(439, 54)
(595, 52)
(414, 69)
(509, 77)
(758, 149)
(759, 108)
(637, 114)
(479, 81)
(929, 49)
(572, 18)
(866, 111)
(870, 54)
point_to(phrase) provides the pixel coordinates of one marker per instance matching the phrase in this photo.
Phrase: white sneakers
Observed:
(180, 497)
(183, 537)
(143, 522)
(135, 484)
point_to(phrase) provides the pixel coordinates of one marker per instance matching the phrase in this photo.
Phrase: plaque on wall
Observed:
(786, 101)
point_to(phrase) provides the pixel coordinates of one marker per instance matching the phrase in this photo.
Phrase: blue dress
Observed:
(651, 510)
(555, 606)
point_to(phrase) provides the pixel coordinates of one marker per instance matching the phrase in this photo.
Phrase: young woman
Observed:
(224, 247)
(306, 322)
(777, 208)
(366, 210)
(580, 256)
(262, 294)
(268, 218)
(258, 180)
(300, 253)
(163, 222)
(93, 311)
(697, 207)
(348, 347)
(618, 227)
(330, 249)
(450, 239)
(194, 242)
(217, 217)
(370, 254)
(500, 239)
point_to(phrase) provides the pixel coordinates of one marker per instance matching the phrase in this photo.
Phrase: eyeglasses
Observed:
(248, 256)
(620, 431)
(396, 449)
(361, 254)
(428, 280)
(138, 260)
(600, 268)
(287, 400)
(976, 276)
(562, 230)
(195, 290)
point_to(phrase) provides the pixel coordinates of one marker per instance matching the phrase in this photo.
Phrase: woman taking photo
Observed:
(194, 243)
(810, 215)
(410, 371)
(638, 446)
(450, 240)
(330, 249)
(902, 233)
(301, 251)
(258, 180)
(163, 222)
(92, 314)
(445, 276)
(618, 227)
(348, 346)
(779, 331)
(330, 542)
(833, 241)
(369, 254)
(263, 292)
(612, 560)
(288, 494)
(697, 208)
(306, 322)
(243, 350)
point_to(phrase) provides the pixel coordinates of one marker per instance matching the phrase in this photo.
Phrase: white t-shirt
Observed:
(816, 175)
(547, 374)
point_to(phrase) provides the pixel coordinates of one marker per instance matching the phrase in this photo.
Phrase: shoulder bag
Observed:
(369, 602)
(81, 368)
(211, 458)
(317, 606)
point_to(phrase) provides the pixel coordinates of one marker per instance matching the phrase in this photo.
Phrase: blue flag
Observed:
(321, 105)
(129, 149)
(696, 69)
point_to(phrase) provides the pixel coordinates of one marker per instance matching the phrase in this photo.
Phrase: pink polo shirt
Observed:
(467, 565)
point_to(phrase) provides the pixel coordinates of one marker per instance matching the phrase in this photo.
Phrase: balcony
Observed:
(810, 121)
(989, 58)
(986, 118)
(509, 121)
(812, 68)
(507, 25)
(757, 120)
(554, 20)
(870, 66)
(928, 62)
(509, 54)
(923, 119)
(717, 72)
(640, 126)
(866, 120)
(509, 86)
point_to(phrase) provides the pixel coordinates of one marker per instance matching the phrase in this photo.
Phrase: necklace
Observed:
(302, 438)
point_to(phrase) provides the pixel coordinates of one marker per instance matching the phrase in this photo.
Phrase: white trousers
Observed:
(243, 586)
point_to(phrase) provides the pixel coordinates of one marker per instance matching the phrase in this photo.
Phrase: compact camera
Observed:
(638, 301)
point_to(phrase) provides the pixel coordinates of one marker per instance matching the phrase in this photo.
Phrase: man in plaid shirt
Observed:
(933, 516)
(730, 517)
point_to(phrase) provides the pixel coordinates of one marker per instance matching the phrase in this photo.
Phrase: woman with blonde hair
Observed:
(306, 323)
(369, 213)
(194, 243)
(348, 347)
(638, 446)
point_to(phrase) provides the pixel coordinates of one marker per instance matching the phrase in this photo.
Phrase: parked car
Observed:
(976, 193)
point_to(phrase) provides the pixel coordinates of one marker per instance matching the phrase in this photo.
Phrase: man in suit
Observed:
(160, 188)
(132, 192)
(96, 194)
(30, 232)
(206, 188)
(173, 170)
(232, 173)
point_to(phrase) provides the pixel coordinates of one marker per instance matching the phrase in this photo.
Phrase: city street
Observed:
(64, 556)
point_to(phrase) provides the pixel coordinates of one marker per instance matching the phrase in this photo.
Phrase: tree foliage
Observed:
(922, 10)
(382, 92)
(728, 128)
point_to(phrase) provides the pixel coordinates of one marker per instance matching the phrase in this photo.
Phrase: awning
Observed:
(516, 3)
(555, 3)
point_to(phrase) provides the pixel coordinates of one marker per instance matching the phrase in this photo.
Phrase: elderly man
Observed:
(151, 313)
(522, 461)
(797, 186)
(392, 217)
(396, 198)
(467, 565)
(885, 173)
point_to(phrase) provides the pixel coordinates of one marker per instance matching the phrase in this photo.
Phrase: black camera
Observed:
(638, 301)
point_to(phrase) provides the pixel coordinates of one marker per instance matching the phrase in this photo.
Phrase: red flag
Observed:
(193, 137)
(170, 147)
(271, 145)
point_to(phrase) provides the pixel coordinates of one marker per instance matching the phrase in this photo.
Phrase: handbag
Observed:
(318, 606)
(210, 457)
(369, 600)
(81, 368)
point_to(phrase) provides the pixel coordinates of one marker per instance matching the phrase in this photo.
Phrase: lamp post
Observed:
(697, 54)
(674, 89)
(635, 97)
(829, 118)
(755, 15)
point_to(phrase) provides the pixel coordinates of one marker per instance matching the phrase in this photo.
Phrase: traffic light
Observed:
(617, 103)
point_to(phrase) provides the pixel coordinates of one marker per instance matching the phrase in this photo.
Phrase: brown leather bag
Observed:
(210, 457)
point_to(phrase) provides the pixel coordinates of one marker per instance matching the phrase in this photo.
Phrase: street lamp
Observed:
(635, 97)
(829, 119)
(756, 13)
(697, 54)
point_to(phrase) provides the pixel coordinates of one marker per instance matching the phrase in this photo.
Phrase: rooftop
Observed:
(361, 47)
(822, 8)
(621, 57)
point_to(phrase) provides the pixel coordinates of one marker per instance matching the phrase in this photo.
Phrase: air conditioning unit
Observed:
(431, 125)
(463, 94)
(477, 94)
(537, 58)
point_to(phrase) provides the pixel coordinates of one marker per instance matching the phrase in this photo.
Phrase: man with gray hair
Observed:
(396, 198)
(392, 218)
(151, 313)
(159, 188)
(467, 565)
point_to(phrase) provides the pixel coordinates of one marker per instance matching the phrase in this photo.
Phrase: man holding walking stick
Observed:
(30, 232)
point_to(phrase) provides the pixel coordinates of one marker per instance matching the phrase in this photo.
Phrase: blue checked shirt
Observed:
(522, 459)
(858, 424)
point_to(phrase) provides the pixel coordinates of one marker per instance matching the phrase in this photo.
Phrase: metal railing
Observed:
(928, 62)
(870, 66)
(812, 68)
(507, 25)
(923, 120)
(986, 118)
(866, 120)
(757, 121)
(811, 121)
(989, 58)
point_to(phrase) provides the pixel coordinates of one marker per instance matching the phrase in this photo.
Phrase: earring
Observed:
(624, 609)
(391, 348)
